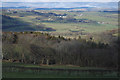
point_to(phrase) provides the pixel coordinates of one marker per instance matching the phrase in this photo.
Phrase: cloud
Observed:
(60, 0)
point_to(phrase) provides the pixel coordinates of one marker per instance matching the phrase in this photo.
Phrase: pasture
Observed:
(91, 22)
(21, 70)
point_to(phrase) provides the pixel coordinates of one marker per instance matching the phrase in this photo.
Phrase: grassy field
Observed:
(52, 71)
(88, 28)
(98, 22)
(104, 21)
(48, 66)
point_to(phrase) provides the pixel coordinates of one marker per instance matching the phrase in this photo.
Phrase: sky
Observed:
(60, 0)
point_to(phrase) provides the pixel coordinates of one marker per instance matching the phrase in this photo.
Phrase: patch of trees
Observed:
(66, 19)
(61, 18)
(47, 14)
(111, 11)
(42, 48)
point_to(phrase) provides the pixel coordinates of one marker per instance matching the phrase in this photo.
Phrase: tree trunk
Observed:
(47, 62)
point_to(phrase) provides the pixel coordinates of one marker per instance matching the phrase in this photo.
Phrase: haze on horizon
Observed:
(60, 4)
(59, 1)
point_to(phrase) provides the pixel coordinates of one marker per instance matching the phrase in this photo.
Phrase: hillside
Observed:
(43, 48)
(15, 24)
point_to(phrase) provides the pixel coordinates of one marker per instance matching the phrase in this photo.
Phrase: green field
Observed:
(46, 72)
(98, 22)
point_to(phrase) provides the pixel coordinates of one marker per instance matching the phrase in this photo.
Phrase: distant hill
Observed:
(21, 7)
(63, 8)
(59, 5)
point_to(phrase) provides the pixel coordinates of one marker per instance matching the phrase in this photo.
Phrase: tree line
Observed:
(42, 48)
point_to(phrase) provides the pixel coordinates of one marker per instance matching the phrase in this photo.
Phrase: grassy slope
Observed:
(15, 23)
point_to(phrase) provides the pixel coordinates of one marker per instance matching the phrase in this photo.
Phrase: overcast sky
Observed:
(60, 0)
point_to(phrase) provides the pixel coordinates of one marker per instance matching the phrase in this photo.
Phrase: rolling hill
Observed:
(14, 24)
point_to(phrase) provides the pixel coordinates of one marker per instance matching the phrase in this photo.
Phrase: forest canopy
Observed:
(42, 48)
